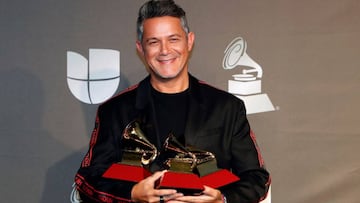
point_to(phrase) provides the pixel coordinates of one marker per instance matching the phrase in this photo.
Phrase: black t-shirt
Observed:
(171, 113)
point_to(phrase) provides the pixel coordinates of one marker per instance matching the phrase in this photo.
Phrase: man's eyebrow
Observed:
(156, 38)
(175, 35)
(151, 38)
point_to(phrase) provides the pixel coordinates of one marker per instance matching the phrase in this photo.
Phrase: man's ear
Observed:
(139, 48)
(191, 39)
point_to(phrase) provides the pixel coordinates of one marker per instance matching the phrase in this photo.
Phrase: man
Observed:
(172, 100)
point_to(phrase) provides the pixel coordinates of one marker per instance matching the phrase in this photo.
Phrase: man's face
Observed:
(165, 47)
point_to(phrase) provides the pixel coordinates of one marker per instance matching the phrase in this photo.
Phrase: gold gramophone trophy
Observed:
(138, 150)
(188, 159)
(137, 155)
(189, 169)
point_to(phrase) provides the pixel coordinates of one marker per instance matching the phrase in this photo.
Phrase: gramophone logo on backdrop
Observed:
(247, 84)
(95, 80)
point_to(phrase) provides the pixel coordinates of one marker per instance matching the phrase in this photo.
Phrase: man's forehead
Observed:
(162, 27)
(162, 20)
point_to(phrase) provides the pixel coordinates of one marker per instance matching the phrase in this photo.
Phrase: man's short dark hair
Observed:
(160, 8)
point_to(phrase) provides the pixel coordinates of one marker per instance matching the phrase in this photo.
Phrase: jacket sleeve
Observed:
(246, 163)
(104, 149)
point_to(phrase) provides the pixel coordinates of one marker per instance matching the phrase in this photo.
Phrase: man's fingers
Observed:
(171, 197)
(157, 175)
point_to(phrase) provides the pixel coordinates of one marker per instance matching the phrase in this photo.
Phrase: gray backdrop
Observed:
(308, 50)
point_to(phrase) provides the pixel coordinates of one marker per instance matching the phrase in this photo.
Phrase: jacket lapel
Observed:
(147, 116)
(196, 112)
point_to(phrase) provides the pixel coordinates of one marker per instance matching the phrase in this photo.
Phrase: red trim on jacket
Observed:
(267, 184)
(261, 162)
(88, 157)
(91, 192)
(260, 158)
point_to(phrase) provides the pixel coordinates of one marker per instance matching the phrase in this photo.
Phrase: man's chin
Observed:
(166, 77)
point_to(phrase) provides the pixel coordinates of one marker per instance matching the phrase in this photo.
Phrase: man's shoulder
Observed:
(213, 91)
(125, 96)
(212, 95)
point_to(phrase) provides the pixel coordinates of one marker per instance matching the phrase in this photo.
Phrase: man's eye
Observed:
(174, 39)
(152, 42)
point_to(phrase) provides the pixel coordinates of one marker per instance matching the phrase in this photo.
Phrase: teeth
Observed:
(165, 60)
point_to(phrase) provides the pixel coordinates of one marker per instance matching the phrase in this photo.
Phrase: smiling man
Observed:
(170, 100)
(166, 47)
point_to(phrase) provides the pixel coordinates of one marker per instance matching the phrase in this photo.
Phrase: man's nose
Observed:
(164, 49)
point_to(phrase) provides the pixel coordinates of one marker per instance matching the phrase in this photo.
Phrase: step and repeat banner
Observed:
(296, 65)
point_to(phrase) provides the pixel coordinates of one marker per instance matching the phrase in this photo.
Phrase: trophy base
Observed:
(126, 172)
(186, 183)
(191, 184)
(219, 178)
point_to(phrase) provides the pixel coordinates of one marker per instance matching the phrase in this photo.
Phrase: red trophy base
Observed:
(126, 172)
(219, 178)
(191, 184)
(187, 183)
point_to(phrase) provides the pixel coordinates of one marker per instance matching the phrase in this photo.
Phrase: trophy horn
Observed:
(173, 145)
(132, 132)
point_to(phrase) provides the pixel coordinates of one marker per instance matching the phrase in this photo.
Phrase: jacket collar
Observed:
(196, 114)
(144, 92)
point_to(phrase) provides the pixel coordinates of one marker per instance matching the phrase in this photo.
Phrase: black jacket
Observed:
(216, 122)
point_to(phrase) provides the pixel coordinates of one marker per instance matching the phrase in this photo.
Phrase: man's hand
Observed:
(209, 195)
(144, 191)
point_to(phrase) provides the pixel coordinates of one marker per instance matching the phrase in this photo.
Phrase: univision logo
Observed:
(95, 80)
